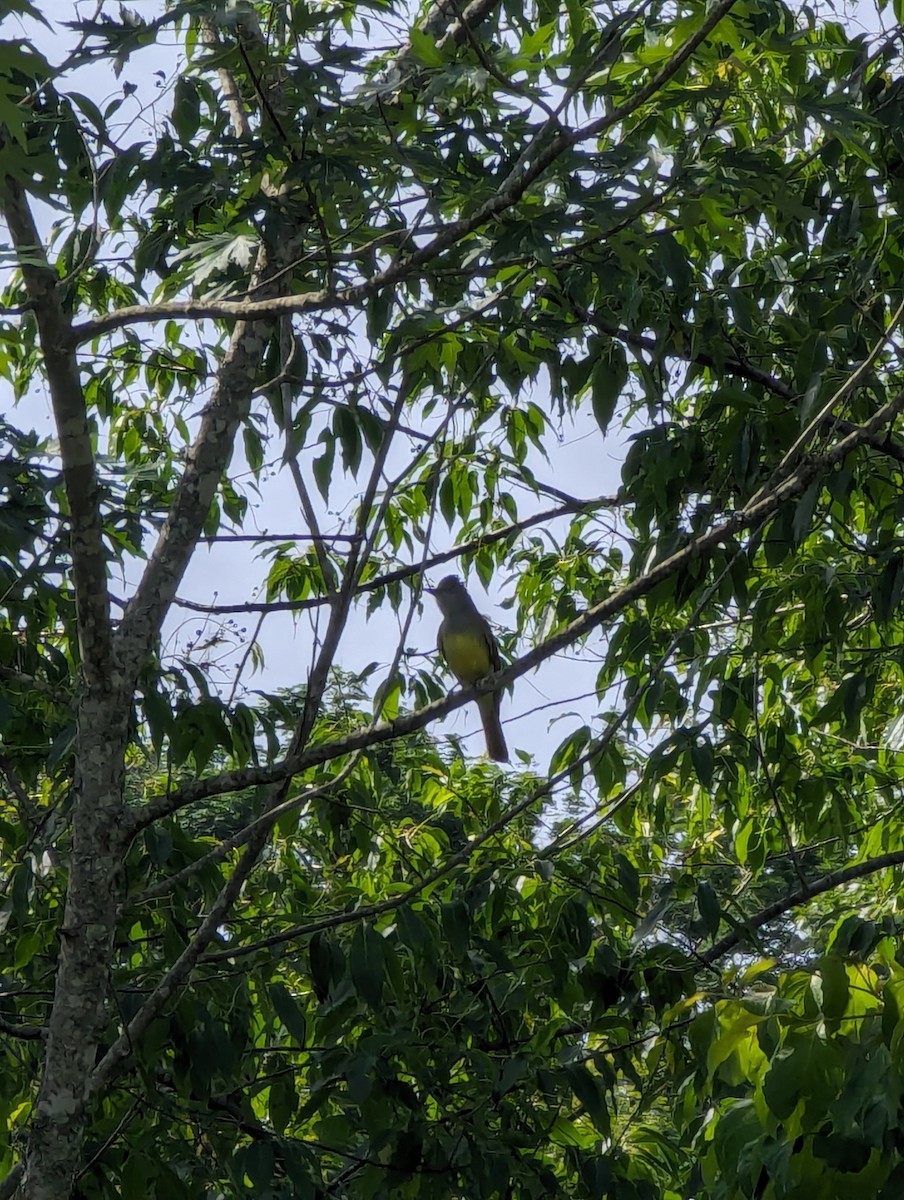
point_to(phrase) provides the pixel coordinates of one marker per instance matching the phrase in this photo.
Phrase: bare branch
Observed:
(236, 538)
(569, 505)
(327, 572)
(28, 1033)
(232, 98)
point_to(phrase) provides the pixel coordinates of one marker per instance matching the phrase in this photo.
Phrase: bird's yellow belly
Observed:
(467, 656)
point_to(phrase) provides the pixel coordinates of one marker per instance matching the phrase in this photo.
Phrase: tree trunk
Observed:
(82, 983)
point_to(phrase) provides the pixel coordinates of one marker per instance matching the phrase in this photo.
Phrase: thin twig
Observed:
(568, 505)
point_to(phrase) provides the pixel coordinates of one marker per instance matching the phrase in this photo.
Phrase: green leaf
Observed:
(323, 466)
(537, 41)
(424, 48)
(889, 589)
(456, 923)
(367, 962)
(709, 906)
(282, 1102)
(835, 987)
(348, 433)
(589, 1090)
(803, 513)
(289, 1012)
(608, 378)
(323, 960)
(186, 115)
(256, 1163)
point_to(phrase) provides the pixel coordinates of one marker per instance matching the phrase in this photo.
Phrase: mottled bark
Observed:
(79, 1012)
(207, 460)
(89, 560)
(86, 935)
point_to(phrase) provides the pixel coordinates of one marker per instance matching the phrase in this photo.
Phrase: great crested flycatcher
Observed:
(466, 642)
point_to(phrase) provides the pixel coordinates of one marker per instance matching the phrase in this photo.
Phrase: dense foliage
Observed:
(287, 943)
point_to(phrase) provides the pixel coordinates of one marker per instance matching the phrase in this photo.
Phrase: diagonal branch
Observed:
(204, 467)
(210, 927)
(380, 907)
(89, 560)
(304, 799)
(176, 976)
(508, 194)
(412, 569)
(761, 509)
(542, 791)
(212, 448)
(739, 367)
(839, 396)
(144, 615)
(797, 899)
(703, 358)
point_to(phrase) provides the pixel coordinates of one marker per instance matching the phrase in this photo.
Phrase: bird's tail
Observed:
(492, 727)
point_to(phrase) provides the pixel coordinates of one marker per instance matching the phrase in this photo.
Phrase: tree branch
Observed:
(827, 884)
(750, 516)
(731, 364)
(568, 505)
(86, 931)
(210, 926)
(740, 368)
(28, 1033)
(368, 911)
(204, 468)
(507, 195)
(178, 973)
(10, 1184)
(593, 752)
(89, 560)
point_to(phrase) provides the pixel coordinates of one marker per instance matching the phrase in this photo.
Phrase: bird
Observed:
(471, 652)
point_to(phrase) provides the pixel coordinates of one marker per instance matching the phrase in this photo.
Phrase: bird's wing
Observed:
(492, 646)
